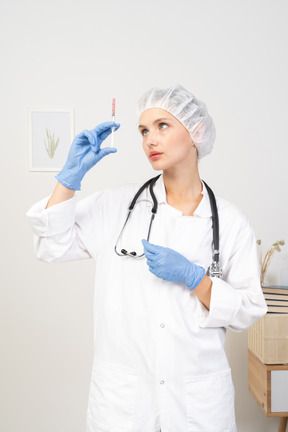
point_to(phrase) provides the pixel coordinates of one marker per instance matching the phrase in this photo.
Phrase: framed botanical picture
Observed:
(50, 136)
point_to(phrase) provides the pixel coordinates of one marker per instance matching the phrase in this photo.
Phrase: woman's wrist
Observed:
(203, 291)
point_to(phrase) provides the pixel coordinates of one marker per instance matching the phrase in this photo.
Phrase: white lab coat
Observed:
(159, 359)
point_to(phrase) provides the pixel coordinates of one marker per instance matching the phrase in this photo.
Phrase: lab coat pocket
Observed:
(112, 397)
(210, 403)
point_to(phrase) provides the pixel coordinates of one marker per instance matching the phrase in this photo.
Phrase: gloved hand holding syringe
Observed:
(86, 151)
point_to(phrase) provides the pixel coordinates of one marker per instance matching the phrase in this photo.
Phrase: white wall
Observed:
(79, 54)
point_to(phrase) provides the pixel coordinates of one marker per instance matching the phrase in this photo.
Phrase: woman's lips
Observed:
(155, 155)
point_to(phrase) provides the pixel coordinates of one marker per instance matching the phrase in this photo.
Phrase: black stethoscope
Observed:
(214, 270)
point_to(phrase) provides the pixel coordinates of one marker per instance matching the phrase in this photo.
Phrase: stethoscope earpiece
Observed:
(124, 252)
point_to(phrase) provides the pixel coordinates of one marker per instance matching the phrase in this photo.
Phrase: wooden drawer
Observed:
(269, 386)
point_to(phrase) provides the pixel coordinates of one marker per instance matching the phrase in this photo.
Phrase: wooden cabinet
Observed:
(268, 383)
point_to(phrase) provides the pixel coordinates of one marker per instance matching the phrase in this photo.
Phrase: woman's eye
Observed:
(144, 132)
(163, 125)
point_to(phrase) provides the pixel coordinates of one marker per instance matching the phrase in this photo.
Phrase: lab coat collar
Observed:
(203, 210)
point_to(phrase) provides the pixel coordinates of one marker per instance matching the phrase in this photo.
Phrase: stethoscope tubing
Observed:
(215, 223)
(150, 183)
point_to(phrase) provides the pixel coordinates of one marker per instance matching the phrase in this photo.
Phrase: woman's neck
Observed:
(183, 189)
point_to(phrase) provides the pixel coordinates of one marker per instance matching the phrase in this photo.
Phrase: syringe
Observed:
(113, 119)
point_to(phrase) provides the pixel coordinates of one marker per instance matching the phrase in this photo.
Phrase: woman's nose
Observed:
(152, 139)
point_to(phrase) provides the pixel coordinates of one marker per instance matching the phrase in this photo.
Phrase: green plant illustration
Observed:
(51, 143)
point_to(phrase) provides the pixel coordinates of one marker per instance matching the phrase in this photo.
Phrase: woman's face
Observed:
(166, 142)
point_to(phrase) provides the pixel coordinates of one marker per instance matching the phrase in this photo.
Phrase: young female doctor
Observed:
(160, 321)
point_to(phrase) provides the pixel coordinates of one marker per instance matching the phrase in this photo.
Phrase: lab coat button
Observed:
(162, 325)
(162, 382)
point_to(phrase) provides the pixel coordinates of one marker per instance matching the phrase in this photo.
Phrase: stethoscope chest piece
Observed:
(214, 270)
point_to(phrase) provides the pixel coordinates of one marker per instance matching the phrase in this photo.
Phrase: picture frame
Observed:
(50, 133)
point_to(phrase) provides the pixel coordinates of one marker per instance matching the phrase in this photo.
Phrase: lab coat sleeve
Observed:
(61, 232)
(237, 300)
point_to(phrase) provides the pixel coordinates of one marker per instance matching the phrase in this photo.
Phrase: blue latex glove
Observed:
(172, 266)
(84, 153)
